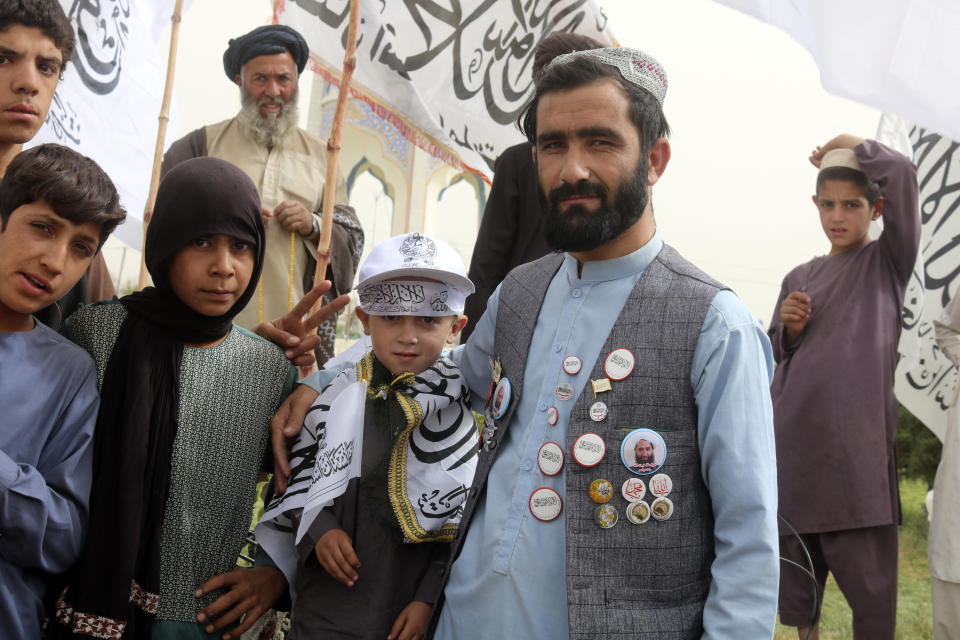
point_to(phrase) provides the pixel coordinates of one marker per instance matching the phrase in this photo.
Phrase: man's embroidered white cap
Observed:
(391, 278)
(634, 65)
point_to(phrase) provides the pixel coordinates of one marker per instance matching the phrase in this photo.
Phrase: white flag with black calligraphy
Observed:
(108, 102)
(926, 379)
(453, 75)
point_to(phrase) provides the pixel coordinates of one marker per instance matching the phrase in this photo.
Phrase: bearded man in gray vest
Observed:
(614, 338)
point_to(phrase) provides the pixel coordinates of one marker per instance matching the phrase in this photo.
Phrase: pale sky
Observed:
(744, 103)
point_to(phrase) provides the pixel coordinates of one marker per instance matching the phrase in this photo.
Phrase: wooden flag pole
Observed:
(161, 134)
(333, 149)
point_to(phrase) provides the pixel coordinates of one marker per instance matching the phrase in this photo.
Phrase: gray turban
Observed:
(264, 41)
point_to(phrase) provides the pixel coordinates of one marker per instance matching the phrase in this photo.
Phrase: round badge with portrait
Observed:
(643, 451)
(501, 399)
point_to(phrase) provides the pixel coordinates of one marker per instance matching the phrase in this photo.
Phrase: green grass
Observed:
(913, 585)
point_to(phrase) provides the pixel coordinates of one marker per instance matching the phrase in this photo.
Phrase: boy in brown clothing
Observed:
(835, 332)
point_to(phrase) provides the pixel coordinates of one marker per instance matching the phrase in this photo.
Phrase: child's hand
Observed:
(284, 427)
(794, 313)
(296, 334)
(335, 552)
(250, 593)
(411, 624)
(842, 141)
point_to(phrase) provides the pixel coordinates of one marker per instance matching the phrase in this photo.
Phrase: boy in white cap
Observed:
(351, 564)
(835, 333)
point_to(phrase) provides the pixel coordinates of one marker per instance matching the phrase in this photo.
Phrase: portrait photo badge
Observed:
(501, 399)
(643, 451)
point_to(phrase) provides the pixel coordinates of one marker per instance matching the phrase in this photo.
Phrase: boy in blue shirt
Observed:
(57, 208)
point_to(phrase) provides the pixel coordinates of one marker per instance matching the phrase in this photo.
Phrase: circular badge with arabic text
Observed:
(619, 364)
(550, 459)
(589, 449)
(572, 365)
(545, 504)
(633, 489)
(661, 485)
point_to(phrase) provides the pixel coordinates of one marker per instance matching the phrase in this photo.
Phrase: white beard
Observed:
(268, 131)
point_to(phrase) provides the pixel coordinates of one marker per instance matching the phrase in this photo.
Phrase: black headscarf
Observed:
(264, 41)
(118, 574)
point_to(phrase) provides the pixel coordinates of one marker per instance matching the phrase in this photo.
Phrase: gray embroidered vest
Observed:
(647, 580)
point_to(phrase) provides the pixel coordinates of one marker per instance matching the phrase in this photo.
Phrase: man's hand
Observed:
(266, 214)
(295, 334)
(794, 313)
(284, 426)
(411, 624)
(293, 216)
(842, 141)
(250, 593)
(335, 552)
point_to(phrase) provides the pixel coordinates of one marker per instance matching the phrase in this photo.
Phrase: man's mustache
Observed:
(581, 188)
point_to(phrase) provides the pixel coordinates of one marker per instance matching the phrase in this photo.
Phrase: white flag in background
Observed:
(451, 76)
(108, 102)
(926, 379)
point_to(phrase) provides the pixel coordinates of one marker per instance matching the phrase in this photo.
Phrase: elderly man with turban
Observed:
(289, 167)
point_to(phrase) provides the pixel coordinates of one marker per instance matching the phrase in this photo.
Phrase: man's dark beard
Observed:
(578, 228)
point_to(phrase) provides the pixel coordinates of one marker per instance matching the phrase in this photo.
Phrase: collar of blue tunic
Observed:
(615, 268)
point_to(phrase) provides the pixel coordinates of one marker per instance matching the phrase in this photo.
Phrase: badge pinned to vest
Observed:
(496, 403)
(643, 451)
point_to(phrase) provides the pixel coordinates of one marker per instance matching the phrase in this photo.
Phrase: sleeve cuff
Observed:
(324, 522)
(263, 559)
(314, 235)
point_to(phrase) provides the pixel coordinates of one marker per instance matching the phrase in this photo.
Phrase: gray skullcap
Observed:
(634, 65)
(264, 41)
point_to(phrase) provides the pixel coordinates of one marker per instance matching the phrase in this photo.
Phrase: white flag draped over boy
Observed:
(899, 56)
(107, 104)
(451, 76)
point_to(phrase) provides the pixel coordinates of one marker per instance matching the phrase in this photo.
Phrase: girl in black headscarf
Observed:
(186, 398)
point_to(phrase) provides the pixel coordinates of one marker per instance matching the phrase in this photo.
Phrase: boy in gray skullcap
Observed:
(835, 331)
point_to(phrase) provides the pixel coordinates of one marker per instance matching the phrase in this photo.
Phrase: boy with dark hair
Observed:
(45, 15)
(835, 333)
(36, 41)
(56, 209)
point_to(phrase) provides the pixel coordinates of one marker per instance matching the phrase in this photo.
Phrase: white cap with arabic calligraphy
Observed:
(415, 255)
(403, 259)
